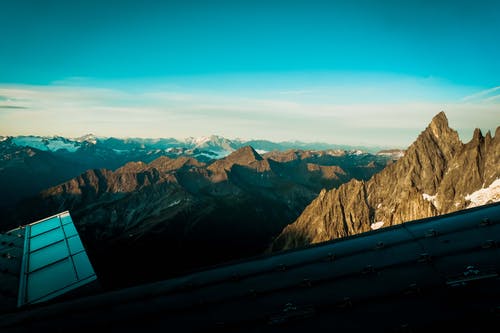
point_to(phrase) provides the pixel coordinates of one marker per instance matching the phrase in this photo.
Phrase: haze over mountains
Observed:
(438, 174)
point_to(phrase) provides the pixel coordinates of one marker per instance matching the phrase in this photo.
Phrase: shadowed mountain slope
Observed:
(187, 213)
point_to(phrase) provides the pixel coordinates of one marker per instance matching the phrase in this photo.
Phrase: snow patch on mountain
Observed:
(394, 153)
(45, 144)
(485, 195)
(176, 202)
(30, 141)
(196, 141)
(55, 145)
(430, 198)
(377, 225)
(120, 151)
(91, 138)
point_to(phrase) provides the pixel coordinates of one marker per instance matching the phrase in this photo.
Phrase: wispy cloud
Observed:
(493, 98)
(12, 107)
(484, 95)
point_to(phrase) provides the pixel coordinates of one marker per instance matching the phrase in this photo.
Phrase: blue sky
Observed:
(367, 72)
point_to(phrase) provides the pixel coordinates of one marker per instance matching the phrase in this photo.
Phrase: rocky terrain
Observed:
(146, 221)
(29, 164)
(438, 174)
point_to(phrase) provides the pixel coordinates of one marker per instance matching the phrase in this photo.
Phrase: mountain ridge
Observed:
(175, 208)
(434, 177)
(204, 142)
(29, 164)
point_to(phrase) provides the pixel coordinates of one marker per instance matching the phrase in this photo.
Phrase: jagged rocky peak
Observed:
(427, 159)
(488, 137)
(437, 175)
(439, 123)
(244, 155)
(477, 136)
(441, 135)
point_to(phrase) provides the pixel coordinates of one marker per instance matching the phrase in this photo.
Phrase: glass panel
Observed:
(65, 218)
(50, 279)
(83, 267)
(46, 239)
(47, 225)
(75, 245)
(48, 255)
(70, 230)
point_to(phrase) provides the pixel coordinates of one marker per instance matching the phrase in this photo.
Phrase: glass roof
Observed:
(54, 260)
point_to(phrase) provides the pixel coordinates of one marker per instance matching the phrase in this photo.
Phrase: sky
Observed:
(343, 72)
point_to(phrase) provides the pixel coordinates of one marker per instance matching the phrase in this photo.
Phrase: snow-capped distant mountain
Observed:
(213, 142)
(90, 138)
(394, 153)
(197, 140)
(205, 147)
(46, 143)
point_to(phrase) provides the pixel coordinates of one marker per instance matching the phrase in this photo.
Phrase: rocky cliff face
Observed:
(437, 175)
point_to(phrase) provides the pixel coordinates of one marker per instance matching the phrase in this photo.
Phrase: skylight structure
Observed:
(54, 260)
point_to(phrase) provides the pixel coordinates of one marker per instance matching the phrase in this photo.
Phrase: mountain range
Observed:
(438, 174)
(29, 164)
(190, 213)
(150, 209)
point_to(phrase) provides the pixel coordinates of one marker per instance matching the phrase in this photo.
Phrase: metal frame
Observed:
(25, 271)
